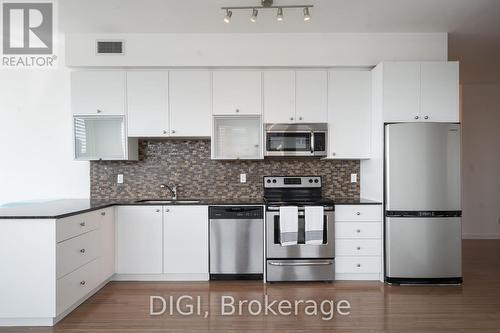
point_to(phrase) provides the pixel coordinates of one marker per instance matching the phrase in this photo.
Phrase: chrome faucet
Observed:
(172, 190)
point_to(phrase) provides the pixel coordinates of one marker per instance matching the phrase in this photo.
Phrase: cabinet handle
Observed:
(426, 117)
(358, 248)
(256, 146)
(358, 213)
(173, 131)
(82, 250)
(165, 132)
(416, 117)
(291, 118)
(237, 110)
(103, 213)
(333, 154)
(82, 224)
(358, 231)
(300, 118)
(157, 210)
(358, 265)
(99, 111)
(83, 283)
(167, 210)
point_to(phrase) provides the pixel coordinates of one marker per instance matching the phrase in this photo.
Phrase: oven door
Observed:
(274, 250)
(289, 143)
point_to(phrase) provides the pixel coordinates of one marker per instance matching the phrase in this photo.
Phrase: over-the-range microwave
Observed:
(296, 140)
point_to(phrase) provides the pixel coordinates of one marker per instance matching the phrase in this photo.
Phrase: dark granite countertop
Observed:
(56, 209)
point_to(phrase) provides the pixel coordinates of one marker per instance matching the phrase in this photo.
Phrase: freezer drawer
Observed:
(423, 248)
(301, 270)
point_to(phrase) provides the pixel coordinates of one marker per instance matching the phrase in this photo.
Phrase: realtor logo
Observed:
(27, 28)
(28, 34)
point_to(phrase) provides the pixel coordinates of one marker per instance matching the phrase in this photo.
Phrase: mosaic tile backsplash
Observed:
(187, 164)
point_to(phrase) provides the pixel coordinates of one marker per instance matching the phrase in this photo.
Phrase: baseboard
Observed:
(357, 276)
(161, 277)
(23, 322)
(481, 236)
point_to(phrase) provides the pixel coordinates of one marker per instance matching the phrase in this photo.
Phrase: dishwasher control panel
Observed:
(236, 212)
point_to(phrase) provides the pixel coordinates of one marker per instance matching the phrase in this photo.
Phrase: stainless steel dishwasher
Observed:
(236, 242)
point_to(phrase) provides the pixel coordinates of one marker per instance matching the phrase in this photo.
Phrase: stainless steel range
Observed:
(300, 261)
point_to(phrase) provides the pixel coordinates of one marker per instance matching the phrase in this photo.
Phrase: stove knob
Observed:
(274, 181)
(316, 181)
(310, 180)
(269, 180)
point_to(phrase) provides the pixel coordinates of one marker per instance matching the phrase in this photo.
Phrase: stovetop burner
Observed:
(294, 191)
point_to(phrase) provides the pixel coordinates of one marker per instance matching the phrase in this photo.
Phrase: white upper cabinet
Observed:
(237, 92)
(139, 240)
(147, 102)
(98, 92)
(440, 91)
(349, 114)
(420, 91)
(401, 91)
(279, 96)
(185, 239)
(190, 103)
(311, 96)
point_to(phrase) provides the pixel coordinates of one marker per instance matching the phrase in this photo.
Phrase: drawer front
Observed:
(366, 213)
(76, 252)
(301, 270)
(78, 224)
(357, 264)
(358, 247)
(358, 230)
(77, 284)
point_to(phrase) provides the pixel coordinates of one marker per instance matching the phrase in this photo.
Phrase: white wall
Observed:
(250, 49)
(35, 137)
(481, 161)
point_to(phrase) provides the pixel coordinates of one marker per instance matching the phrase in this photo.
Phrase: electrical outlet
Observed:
(354, 177)
(119, 179)
(243, 178)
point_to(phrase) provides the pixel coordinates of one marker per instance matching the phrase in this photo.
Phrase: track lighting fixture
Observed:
(267, 4)
(307, 16)
(227, 18)
(279, 15)
(255, 12)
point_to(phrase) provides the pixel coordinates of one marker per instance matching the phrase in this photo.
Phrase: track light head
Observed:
(255, 12)
(307, 15)
(279, 15)
(227, 18)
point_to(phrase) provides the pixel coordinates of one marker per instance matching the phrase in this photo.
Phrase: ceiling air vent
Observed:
(110, 47)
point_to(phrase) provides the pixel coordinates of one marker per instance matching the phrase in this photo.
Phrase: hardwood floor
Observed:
(375, 307)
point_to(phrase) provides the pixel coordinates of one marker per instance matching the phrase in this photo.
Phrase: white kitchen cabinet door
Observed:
(311, 96)
(139, 240)
(147, 103)
(349, 114)
(98, 92)
(279, 96)
(107, 233)
(237, 92)
(401, 91)
(439, 91)
(190, 103)
(237, 137)
(185, 237)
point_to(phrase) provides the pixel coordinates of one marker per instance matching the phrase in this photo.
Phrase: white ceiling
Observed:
(474, 25)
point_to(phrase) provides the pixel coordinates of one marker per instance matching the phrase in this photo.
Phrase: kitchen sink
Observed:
(160, 202)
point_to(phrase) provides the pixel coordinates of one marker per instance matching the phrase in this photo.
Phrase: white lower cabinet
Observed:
(139, 240)
(358, 242)
(185, 242)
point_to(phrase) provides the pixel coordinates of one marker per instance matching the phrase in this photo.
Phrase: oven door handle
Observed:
(312, 143)
(303, 263)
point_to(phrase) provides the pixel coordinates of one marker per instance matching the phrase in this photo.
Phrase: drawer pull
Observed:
(358, 231)
(358, 248)
(157, 210)
(103, 213)
(82, 224)
(83, 283)
(167, 210)
(358, 265)
(82, 250)
(358, 213)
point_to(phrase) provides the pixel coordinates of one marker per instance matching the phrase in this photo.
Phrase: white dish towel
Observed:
(314, 224)
(289, 225)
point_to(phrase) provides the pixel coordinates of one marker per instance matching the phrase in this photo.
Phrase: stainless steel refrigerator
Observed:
(423, 238)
